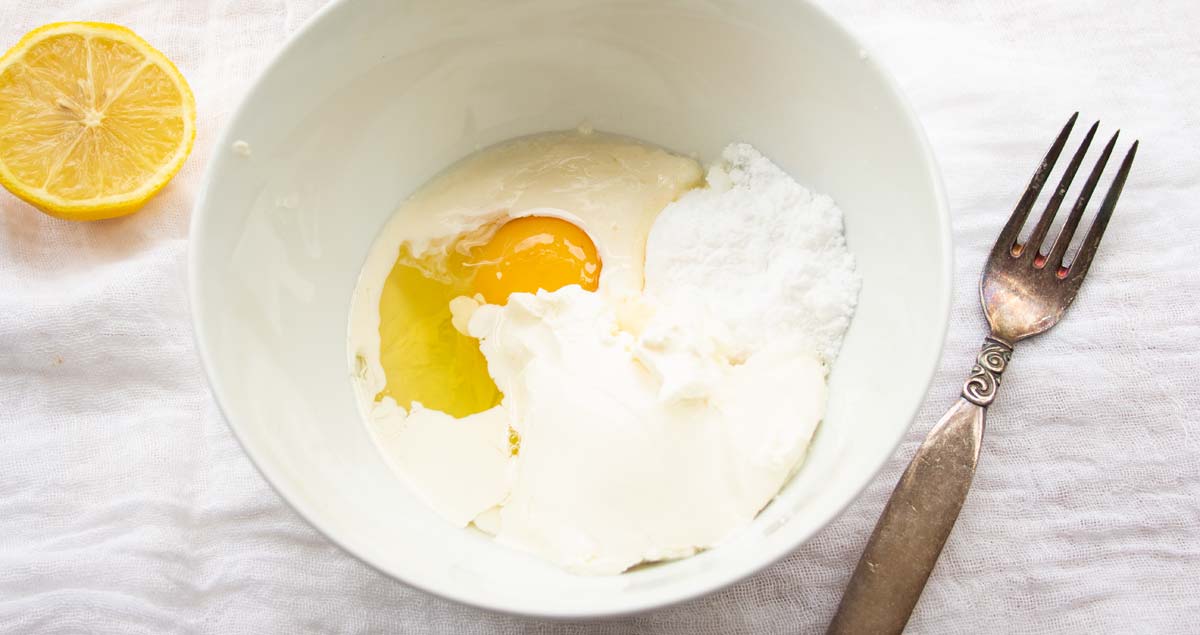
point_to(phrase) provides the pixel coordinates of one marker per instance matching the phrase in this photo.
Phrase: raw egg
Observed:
(534, 252)
(424, 358)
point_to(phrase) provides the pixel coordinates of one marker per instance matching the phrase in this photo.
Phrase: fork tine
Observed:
(1087, 251)
(1055, 257)
(1034, 243)
(1008, 236)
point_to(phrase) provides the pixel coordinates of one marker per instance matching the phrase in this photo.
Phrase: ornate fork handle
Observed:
(981, 386)
(918, 518)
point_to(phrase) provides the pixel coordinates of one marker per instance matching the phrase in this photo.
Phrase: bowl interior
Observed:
(374, 97)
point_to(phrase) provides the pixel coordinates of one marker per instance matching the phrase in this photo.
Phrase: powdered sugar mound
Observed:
(758, 252)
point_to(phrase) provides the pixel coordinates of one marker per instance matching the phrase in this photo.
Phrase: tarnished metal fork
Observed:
(1024, 292)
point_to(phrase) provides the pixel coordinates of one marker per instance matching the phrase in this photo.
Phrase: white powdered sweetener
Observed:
(759, 252)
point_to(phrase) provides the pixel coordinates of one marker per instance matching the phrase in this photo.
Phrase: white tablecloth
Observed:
(127, 506)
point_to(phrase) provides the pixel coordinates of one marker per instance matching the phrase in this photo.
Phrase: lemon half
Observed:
(93, 120)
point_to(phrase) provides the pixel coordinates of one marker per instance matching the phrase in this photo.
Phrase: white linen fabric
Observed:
(126, 505)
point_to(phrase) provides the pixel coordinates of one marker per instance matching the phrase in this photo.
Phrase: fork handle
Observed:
(913, 528)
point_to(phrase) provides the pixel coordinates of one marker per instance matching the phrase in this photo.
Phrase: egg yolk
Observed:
(534, 252)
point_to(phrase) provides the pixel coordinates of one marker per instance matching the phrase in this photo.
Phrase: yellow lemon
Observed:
(93, 120)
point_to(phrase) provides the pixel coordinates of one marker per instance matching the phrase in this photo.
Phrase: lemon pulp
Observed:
(93, 120)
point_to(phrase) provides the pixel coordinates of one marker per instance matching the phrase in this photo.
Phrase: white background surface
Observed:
(127, 506)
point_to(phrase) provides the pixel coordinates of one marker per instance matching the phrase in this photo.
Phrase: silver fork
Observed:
(1024, 293)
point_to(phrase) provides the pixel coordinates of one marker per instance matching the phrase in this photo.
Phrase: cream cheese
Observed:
(614, 470)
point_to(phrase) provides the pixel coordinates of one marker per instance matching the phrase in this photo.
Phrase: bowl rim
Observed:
(735, 574)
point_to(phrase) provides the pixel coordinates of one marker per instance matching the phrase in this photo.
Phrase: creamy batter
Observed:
(646, 419)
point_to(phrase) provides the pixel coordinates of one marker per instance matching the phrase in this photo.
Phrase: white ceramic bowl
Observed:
(373, 97)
